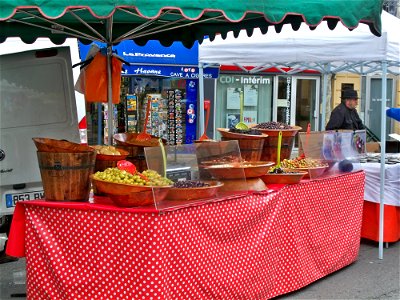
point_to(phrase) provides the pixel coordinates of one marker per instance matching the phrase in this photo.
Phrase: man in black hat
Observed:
(345, 115)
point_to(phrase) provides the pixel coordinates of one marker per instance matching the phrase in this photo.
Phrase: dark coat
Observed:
(344, 118)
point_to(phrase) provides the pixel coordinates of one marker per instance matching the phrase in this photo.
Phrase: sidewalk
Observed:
(367, 278)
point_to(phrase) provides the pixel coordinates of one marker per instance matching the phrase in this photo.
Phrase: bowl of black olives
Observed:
(193, 190)
(277, 175)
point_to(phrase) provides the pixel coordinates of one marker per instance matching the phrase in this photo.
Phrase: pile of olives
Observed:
(273, 125)
(279, 170)
(276, 170)
(106, 150)
(245, 131)
(146, 178)
(300, 162)
(190, 184)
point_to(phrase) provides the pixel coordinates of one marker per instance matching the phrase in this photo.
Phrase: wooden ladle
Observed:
(278, 151)
(144, 136)
(241, 124)
(207, 109)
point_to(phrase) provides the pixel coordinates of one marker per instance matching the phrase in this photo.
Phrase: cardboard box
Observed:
(373, 147)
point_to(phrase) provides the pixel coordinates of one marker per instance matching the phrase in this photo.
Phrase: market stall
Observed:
(324, 50)
(256, 246)
(195, 251)
(370, 225)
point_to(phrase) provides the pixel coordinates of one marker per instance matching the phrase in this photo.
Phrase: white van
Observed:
(37, 99)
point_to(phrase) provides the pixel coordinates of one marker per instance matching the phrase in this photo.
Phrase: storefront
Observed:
(267, 96)
(257, 99)
(166, 76)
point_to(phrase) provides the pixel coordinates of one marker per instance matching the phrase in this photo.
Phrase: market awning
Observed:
(154, 59)
(173, 20)
(112, 21)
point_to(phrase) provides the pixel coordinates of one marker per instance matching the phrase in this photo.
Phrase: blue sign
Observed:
(152, 53)
(191, 111)
(156, 60)
(183, 72)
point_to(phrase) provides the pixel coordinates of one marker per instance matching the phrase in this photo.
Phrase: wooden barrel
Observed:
(269, 152)
(66, 176)
(250, 149)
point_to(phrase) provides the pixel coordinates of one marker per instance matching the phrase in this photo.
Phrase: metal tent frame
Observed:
(384, 60)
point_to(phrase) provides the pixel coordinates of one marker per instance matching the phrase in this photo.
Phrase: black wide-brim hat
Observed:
(349, 94)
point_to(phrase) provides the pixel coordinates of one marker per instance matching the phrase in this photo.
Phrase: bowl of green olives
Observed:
(129, 190)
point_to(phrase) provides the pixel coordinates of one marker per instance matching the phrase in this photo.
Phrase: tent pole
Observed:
(100, 140)
(110, 110)
(200, 112)
(324, 94)
(383, 150)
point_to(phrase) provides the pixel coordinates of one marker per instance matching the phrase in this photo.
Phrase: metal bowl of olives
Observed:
(241, 134)
(129, 195)
(286, 177)
(313, 167)
(193, 190)
(128, 190)
(238, 170)
(104, 152)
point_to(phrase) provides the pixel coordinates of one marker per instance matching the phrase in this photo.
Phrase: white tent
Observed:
(305, 48)
(327, 51)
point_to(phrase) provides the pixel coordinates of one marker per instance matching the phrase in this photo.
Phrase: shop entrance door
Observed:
(296, 100)
(374, 106)
(306, 101)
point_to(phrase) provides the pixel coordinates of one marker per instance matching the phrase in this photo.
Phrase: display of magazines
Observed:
(175, 117)
(157, 123)
(131, 113)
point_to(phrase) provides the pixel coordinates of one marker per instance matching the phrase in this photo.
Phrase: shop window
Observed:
(257, 99)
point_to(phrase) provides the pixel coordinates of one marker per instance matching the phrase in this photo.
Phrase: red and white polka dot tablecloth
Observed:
(254, 247)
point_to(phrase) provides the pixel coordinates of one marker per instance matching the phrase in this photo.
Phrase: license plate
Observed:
(12, 199)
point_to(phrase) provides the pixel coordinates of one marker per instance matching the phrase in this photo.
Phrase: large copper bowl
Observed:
(104, 161)
(269, 151)
(130, 139)
(283, 178)
(225, 133)
(186, 194)
(250, 145)
(312, 172)
(123, 154)
(60, 146)
(237, 170)
(275, 132)
(129, 195)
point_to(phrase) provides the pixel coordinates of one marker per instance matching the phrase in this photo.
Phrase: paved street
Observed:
(367, 278)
